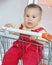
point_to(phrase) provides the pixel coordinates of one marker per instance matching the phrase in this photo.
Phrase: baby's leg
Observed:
(30, 58)
(12, 56)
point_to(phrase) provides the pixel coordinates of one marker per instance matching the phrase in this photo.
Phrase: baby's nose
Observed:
(30, 19)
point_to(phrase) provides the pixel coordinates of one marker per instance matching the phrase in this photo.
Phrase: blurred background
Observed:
(12, 11)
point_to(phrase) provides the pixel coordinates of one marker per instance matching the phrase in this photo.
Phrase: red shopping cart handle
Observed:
(47, 36)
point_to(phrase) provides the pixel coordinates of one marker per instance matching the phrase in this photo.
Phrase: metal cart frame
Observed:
(4, 46)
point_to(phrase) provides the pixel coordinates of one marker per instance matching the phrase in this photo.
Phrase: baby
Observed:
(27, 49)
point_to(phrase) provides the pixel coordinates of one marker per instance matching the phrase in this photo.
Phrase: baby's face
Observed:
(31, 17)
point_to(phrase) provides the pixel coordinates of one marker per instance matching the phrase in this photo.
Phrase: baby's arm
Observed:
(36, 37)
(9, 25)
(12, 26)
(33, 37)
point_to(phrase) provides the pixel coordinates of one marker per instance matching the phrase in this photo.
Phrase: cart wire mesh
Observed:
(7, 39)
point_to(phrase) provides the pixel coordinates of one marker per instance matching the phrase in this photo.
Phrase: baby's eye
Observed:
(33, 17)
(27, 15)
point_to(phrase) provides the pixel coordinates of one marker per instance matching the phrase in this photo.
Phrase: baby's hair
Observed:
(33, 6)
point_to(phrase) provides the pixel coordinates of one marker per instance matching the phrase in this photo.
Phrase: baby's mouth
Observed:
(29, 23)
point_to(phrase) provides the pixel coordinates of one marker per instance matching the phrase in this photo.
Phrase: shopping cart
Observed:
(6, 40)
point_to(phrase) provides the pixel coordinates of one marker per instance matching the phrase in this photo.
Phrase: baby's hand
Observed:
(33, 37)
(8, 25)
